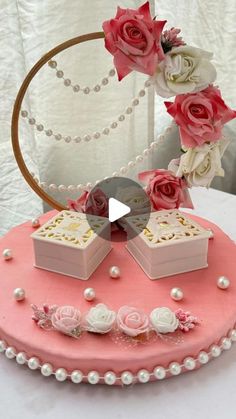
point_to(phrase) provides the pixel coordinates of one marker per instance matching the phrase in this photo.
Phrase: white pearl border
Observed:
(126, 377)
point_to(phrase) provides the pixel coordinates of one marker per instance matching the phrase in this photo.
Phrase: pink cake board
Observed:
(215, 308)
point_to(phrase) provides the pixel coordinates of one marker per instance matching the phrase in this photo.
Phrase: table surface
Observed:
(27, 394)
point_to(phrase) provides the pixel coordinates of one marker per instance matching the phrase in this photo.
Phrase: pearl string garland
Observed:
(127, 377)
(120, 172)
(76, 88)
(97, 134)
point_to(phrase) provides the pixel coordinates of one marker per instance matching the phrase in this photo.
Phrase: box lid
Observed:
(69, 228)
(166, 227)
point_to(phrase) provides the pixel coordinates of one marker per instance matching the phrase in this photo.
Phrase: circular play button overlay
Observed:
(118, 199)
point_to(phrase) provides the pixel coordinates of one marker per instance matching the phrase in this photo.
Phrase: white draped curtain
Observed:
(28, 29)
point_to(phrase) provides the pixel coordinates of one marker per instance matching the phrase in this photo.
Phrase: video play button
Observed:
(117, 198)
(117, 210)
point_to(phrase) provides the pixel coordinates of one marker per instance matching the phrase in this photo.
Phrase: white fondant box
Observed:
(69, 245)
(170, 243)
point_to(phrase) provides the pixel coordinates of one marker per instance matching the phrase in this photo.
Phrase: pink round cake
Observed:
(115, 358)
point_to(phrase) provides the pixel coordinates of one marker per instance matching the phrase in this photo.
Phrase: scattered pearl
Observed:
(114, 272)
(33, 363)
(175, 368)
(226, 343)
(189, 363)
(203, 357)
(35, 222)
(7, 254)
(19, 294)
(76, 377)
(176, 294)
(211, 233)
(232, 335)
(159, 373)
(21, 358)
(223, 282)
(215, 351)
(61, 374)
(93, 377)
(127, 377)
(46, 370)
(10, 352)
(3, 346)
(89, 294)
(143, 376)
(110, 378)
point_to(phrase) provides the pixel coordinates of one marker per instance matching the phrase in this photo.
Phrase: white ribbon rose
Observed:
(201, 164)
(185, 69)
(164, 320)
(100, 319)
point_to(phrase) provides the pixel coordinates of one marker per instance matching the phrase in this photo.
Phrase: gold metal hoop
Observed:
(17, 107)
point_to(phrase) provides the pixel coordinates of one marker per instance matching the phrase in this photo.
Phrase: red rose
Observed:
(165, 190)
(200, 116)
(94, 202)
(134, 39)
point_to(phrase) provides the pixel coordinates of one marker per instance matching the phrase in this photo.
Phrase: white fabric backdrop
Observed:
(30, 28)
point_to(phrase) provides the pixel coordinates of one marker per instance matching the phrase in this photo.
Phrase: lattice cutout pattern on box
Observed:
(71, 228)
(166, 226)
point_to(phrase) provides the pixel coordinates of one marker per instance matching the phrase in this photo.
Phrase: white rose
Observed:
(100, 319)
(201, 164)
(135, 197)
(185, 69)
(164, 320)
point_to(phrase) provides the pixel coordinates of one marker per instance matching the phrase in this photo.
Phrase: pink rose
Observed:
(165, 190)
(200, 116)
(132, 321)
(66, 319)
(134, 39)
(95, 203)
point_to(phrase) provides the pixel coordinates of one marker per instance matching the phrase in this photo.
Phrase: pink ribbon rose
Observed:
(66, 319)
(200, 116)
(165, 190)
(94, 203)
(134, 39)
(132, 321)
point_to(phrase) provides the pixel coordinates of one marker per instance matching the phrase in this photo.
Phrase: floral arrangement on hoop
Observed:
(139, 43)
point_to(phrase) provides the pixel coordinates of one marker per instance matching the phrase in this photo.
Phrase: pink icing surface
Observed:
(216, 309)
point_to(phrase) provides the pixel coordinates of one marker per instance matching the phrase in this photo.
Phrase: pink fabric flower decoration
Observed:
(170, 39)
(79, 204)
(95, 203)
(165, 190)
(134, 39)
(186, 320)
(132, 321)
(200, 116)
(66, 319)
